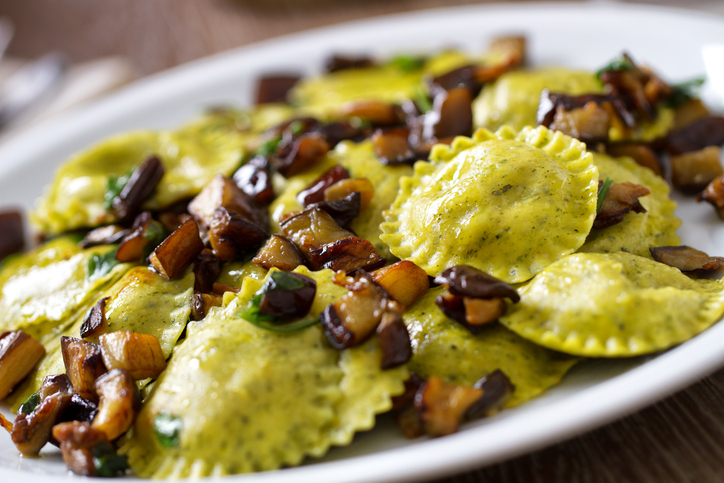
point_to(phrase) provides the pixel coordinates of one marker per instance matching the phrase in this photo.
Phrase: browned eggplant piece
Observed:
(497, 389)
(354, 317)
(451, 115)
(232, 235)
(342, 210)
(139, 354)
(222, 192)
(312, 228)
(456, 308)
(642, 153)
(207, 268)
(409, 422)
(375, 112)
(139, 188)
(335, 132)
(442, 406)
(143, 237)
(12, 233)
(460, 77)
(551, 103)
(345, 187)
(714, 195)
(177, 251)
(335, 63)
(83, 364)
(19, 354)
(404, 281)
(513, 48)
(202, 303)
(692, 172)
(407, 398)
(287, 296)
(589, 123)
(314, 193)
(347, 254)
(274, 88)
(468, 281)
(105, 235)
(394, 340)
(120, 401)
(688, 112)
(621, 198)
(95, 322)
(77, 409)
(32, 431)
(55, 384)
(704, 132)
(279, 252)
(304, 153)
(77, 440)
(255, 180)
(222, 288)
(630, 85)
(686, 259)
(391, 146)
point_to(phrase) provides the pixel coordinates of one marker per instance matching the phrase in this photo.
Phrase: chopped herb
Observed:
(685, 91)
(107, 462)
(30, 404)
(114, 188)
(167, 429)
(282, 281)
(422, 99)
(155, 234)
(602, 192)
(252, 312)
(296, 128)
(408, 63)
(101, 265)
(619, 63)
(269, 146)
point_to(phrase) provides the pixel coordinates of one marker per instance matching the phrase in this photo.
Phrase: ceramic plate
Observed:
(679, 44)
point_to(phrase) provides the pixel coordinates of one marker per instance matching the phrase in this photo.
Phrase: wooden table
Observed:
(679, 439)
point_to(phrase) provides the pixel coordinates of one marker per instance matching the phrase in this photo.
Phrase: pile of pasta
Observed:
(443, 237)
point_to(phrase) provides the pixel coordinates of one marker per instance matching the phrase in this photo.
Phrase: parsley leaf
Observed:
(30, 404)
(602, 192)
(114, 188)
(107, 462)
(408, 63)
(619, 63)
(101, 265)
(167, 429)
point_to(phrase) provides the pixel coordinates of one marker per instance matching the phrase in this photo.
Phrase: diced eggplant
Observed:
(642, 153)
(232, 235)
(347, 254)
(305, 152)
(12, 233)
(139, 354)
(394, 340)
(442, 406)
(274, 88)
(451, 115)
(77, 440)
(95, 322)
(497, 389)
(19, 354)
(589, 123)
(467, 281)
(177, 251)
(32, 431)
(404, 281)
(686, 259)
(222, 192)
(207, 268)
(392, 146)
(620, 199)
(704, 132)
(202, 302)
(105, 235)
(255, 180)
(314, 193)
(279, 252)
(375, 112)
(139, 188)
(287, 296)
(335, 63)
(120, 401)
(83, 364)
(714, 195)
(692, 172)
(342, 210)
(346, 187)
(145, 234)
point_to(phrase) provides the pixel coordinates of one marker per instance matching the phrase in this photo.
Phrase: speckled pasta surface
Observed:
(638, 231)
(612, 305)
(509, 203)
(249, 399)
(445, 348)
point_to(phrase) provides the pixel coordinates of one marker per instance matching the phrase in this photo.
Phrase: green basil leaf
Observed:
(408, 63)
(114, 188)
(602, 192)
(269, 146)
(30, 404)
(252, 312)
(107, 462)
(422, 100)
(619, 63)
(101, 265)
(685, 91)
(167, 429)
(283, 281)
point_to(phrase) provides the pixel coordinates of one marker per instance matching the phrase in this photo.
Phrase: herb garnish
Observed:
(408, 63)
(101, 265)
(685, 91)
(278, 280)
(107, 462)
(30, 404)
(269, 146)
(114, 188)
(167, 429)
(602, 192)
(617, 64)
(422, 99)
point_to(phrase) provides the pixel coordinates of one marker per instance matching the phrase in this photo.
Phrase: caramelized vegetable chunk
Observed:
(105, 235)
(139, 354)
(314, 193)
(336, 63)
(222, 192)
(139, 188)
(451, 115)
(692, 172)
(77, 443)
(12, 234)
(177, 251)
(342, 210)
(639, 152)
(274, 88)
(255, 180)
(497, 389)
(19, 354)
(120, 401)
(279, 252)
(202, 302)
(345, 187)
(32, 431)
(404, 281)
(286, 296)
(304, 153)
(374, 112)
(686, 259)
(145, 234)
(714, 195)
(232, 235)
(620, 199)
(394, 340)
(392, 147)
(83, 365)
(95, 322)
(704, 132)
(442, 406)
(589, 123)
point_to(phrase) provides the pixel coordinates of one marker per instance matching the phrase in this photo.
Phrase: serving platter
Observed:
(678, 44)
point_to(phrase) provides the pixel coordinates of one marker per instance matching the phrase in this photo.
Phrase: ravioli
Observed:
(445, 348)
(361, 162)
(506, 203)
(613, 305)
(638, 231)
(250, 399)
(191, 156)
(43, 289)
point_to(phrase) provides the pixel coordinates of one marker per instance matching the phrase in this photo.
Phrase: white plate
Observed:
(587, 36)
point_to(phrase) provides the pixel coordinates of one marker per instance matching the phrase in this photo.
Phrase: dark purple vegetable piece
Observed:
(32, 431)
(55, 384)
(497, 389)
(95, 322)
(83, 362)
(306, 151)
(461, 77)
(314, 193)
(274, 88)
(442, 406)
(79, 409)
(714, 195)
(621, 198)
(451, 115)
(105, 235)
(12, 233)
(347, 254)
(279, 252)
(232, 235)
(467, 281)
(335, 63)
(392, 147)
(686, 259)
(255, 181)
(453, 306)
(143, 181)
(207, 268)
(335, 132)
(177, 251)
(287, 295)
(551, 101)
(640, 152)
(343, 210)
(394, 340)
(375, 112)
(707, 131)
(143, 237)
